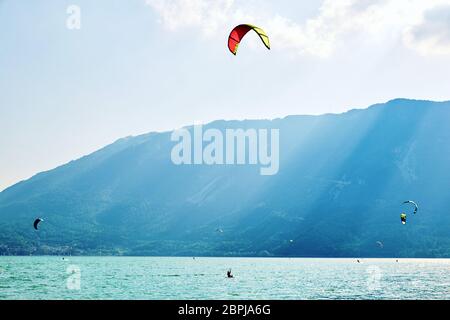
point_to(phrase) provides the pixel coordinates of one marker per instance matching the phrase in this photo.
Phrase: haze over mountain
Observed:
(341, 183)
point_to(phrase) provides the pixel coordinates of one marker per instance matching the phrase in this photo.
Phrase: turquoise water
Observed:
(205, 278)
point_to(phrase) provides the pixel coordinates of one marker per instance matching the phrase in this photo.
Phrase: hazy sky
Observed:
(136, 66)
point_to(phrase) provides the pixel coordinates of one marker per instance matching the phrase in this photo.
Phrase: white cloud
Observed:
(432, 34)
(208, 16)
(418, 24)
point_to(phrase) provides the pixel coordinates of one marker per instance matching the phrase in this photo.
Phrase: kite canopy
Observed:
(240, 31)
(380, 244)
(416, 207)
(36, 222)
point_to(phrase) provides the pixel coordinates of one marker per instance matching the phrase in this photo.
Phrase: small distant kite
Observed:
(403, 215)
(36, 222)
(238, 33)
(380, 244)
(219, 230)
(416, 207)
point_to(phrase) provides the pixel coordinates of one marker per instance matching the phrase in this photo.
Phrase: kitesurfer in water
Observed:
(229, 275)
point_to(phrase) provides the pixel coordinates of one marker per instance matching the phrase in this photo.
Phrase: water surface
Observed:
(205, 278)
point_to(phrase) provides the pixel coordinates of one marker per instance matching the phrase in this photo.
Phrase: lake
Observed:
(51, 277)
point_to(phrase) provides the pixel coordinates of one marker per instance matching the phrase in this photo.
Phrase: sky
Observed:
(136, 66)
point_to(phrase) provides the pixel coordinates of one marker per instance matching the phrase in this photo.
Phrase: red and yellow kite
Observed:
(240, 31)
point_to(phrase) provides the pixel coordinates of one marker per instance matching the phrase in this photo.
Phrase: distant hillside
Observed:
(339, 190)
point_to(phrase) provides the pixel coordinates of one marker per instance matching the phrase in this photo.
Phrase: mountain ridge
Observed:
(339, 190)
(123, 139)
